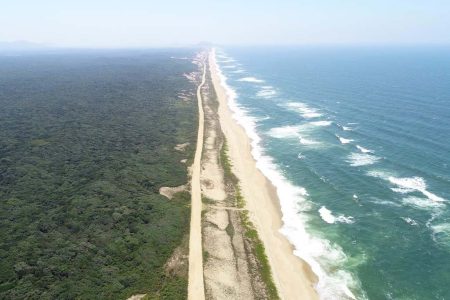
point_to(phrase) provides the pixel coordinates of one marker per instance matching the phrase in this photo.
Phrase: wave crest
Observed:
(328, 217)
(364, 150)
(343, 140)
(251, 79)
(266, 93)
(406, 185)
(304, 110)
(362, 159)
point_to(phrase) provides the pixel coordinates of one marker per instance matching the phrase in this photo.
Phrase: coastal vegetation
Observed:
(256, 245)
(86, 142)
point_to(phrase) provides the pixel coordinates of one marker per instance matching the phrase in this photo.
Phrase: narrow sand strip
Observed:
(196, 289)
(293, 277)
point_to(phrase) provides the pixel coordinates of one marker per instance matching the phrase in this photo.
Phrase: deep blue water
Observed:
(366, 133)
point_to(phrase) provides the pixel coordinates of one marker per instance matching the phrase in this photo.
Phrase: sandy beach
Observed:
(292, 276)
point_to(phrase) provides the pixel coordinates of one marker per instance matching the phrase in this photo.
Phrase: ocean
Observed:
(357, 142)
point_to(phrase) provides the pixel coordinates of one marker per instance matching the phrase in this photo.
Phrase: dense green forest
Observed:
(86, 141)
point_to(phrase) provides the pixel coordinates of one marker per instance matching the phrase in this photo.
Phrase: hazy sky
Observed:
(143, 23)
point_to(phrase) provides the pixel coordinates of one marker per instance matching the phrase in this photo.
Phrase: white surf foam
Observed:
(417, 184)
(227, 60)
(304, 110)
(260, 119)
(402, 190)
(379, 174)
(441, 233)
(345, 128)
(291, 132)
(421, 203)
(410, 221)
(230, 67)
(363, 150)
(266, 93)
(333, 283)
(238, 71)
(321, 123)
(444, 227)
(251, 79)
(384, 202)
(344, 140)
(305, 141)
(311, 115)
(406, 185)
(361, 159)
(328, 217)
(285, 132)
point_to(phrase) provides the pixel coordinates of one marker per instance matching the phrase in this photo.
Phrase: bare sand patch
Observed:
(170, 191)
(181, 147)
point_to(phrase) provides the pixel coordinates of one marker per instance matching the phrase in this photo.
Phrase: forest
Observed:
(86, 140)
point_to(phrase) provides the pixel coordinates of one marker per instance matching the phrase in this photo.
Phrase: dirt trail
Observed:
(196, 289)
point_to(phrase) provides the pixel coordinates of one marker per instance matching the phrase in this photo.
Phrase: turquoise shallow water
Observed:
(358, 142)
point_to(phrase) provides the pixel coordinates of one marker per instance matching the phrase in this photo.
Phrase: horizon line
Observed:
(29, 45)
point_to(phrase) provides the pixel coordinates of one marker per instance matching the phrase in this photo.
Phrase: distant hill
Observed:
(21, 46)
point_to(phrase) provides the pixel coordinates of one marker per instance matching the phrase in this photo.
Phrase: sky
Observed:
(149, 23)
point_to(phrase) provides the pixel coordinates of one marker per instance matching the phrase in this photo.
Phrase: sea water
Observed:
(357, 142)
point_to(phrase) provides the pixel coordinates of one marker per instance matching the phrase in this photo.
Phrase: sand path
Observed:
(196, 289)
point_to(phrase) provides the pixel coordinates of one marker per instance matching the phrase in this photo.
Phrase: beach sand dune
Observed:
(226, 268)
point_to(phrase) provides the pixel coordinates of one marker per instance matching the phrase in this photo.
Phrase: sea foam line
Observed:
(230, 67)
(410, 221)
(304, 110)
(321, 123)
(251, 79)
(292, 200)
(292, 132)
(343, 140)
(363, 150)
(327, 216)
(441, 233)
(361, 159)
(407, 185)
(266, 92)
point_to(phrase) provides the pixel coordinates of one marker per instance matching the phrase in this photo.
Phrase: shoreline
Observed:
(293, 277)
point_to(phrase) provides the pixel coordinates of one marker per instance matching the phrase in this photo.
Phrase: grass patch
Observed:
(205, 256)
(207, 200)
(225, 162)
(230, 230)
